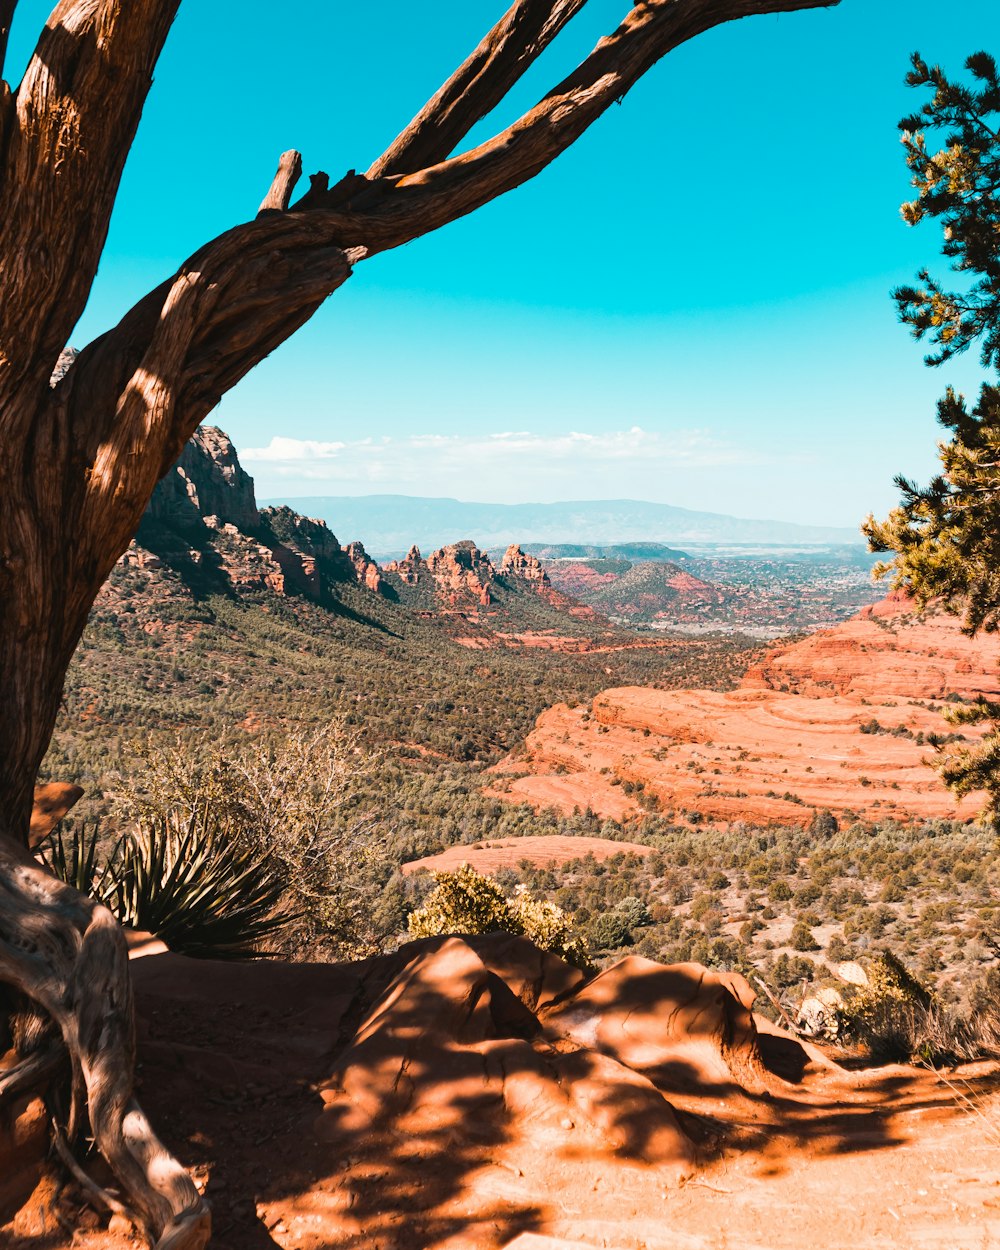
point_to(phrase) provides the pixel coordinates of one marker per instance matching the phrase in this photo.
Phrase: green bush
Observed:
(464, 901)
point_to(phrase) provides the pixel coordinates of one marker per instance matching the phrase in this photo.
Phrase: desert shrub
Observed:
(788, 970)
(465, 901)
(984, 1011)
(290, 797)
(899, 1020)
(190, 885)
(802, 938)
(634, 911)
(610, 931)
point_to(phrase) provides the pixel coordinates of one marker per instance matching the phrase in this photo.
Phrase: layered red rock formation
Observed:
(516, 563)
(367, 572)
(886, 651)
(408, 569)
(464, 580)
(495, 853)
(207, 480)
(840, 720)
(460, 571)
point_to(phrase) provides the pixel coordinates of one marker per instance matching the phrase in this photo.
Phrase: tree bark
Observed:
(81, 457)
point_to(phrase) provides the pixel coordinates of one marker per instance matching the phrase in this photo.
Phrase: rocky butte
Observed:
(203, 524)
(460, 577)
(203, 534)
(844, 720)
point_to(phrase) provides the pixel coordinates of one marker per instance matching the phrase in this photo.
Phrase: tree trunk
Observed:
(61, 951)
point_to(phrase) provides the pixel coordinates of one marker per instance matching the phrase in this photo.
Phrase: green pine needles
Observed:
(944, 538)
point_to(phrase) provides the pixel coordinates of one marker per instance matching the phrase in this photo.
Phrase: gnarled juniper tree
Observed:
(81, 456)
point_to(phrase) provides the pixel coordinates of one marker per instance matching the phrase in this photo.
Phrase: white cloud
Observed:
(511, 465)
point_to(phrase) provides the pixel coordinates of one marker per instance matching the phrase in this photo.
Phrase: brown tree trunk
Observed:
(80, 460)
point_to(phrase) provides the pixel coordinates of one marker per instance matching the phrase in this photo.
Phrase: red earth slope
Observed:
(839, 720)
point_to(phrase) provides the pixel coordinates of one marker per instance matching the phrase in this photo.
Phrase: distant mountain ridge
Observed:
(389, 524)
(606, 551)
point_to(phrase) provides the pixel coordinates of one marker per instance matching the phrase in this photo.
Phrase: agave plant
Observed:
(186, 881)
(71, 853)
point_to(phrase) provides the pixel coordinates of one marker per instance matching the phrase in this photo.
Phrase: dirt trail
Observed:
(474, 1094)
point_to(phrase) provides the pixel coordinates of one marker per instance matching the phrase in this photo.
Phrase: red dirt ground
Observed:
(466, 1093)
(493, 853)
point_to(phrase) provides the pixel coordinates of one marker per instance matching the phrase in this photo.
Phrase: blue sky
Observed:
(690, 306)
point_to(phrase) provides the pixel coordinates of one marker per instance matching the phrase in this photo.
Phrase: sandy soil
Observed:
(407, 1104)
(493, 853)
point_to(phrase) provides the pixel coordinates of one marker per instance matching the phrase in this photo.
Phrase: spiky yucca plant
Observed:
(185, 880)
(72, 856)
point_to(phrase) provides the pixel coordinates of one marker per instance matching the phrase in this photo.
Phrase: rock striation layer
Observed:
(844, 720)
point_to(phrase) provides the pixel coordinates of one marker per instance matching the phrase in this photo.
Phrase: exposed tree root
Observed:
(68, 955)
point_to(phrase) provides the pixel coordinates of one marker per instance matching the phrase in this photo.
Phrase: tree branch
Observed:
(477, 86)
(7, 8)
(288, 173)
(163, 368)
(390, 211)
(75, 115)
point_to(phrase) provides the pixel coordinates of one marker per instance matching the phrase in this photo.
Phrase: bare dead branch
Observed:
(288, 174)
(386, 212)
(477, 86)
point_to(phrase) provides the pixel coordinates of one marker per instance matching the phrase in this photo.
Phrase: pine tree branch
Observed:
(477, 86)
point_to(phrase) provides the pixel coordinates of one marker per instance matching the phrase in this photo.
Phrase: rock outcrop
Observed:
(207, 480)
(366, 571)
(409, 569)
(463, 582)
(462, 571)
(204, 524)
(471, 1093)
(886, 651)
(844, 719)
(516, 563)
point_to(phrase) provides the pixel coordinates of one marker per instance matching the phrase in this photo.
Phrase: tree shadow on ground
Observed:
(415, 1100)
